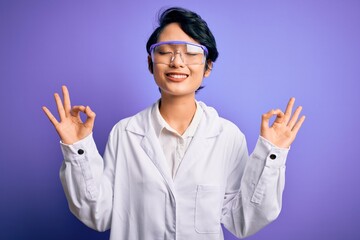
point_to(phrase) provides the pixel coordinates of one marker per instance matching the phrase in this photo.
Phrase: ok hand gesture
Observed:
(285, 127)
(70, 128)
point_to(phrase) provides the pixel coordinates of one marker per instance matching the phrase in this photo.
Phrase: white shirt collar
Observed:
(159, 122)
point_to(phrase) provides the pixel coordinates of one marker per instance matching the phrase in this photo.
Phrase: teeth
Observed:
(177, 76)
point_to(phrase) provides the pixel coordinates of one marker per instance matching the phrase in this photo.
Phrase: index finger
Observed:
(266, 117)
(289, 108)
(67, 103)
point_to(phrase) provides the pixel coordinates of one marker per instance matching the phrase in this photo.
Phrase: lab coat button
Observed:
(272, 156)
(80, 152)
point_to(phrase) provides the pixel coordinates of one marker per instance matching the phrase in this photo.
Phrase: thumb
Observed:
(265, 118)
(279, 116)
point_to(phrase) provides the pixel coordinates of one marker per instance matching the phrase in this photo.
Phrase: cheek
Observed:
(157, 75)
(198, 73)
(156, 71)
(158, 68)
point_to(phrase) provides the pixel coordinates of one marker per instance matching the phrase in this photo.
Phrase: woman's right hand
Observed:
(70, 128)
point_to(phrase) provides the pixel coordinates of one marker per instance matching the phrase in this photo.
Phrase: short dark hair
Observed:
(191, 23)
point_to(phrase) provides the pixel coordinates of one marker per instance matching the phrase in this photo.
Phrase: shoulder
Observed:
(225, 126)
(229, 126)
(138, 123)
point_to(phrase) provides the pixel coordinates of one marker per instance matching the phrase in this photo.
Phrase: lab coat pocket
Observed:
(208, 209)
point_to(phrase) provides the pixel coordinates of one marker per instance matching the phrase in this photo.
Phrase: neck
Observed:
(178, 112)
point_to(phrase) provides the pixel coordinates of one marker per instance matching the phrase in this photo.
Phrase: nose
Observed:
(176, 62)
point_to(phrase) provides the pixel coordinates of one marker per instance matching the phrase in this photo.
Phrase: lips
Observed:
(177, 76)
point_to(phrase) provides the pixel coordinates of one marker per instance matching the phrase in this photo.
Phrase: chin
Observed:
(177, 93)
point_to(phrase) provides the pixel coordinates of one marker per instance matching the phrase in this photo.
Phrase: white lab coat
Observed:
(131, 190)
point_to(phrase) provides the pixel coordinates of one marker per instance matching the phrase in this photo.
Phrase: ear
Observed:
(150, 65)
(208, 68)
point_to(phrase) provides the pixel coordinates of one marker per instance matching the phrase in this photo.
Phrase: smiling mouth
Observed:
(177, 76)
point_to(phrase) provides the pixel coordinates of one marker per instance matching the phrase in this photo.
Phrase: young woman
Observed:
(176, 170)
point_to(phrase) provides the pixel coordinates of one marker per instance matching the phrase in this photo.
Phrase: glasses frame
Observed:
(153, 46)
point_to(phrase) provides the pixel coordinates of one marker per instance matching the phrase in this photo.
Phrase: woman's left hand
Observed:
(285, 127)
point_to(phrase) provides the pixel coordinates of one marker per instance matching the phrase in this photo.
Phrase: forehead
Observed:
(173, 32)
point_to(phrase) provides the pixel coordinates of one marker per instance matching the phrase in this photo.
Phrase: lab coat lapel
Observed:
(151, 146)
(196, 148)
(141, 124)
(209, 128)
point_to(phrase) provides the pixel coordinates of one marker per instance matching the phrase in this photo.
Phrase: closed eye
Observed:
(192, 54)
(164, 53)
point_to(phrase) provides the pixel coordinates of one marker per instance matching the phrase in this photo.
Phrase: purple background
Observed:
(269, 51)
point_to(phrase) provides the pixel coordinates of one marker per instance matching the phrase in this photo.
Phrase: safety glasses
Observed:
(190, 53)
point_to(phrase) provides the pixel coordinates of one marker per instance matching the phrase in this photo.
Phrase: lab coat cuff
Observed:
(78, 149)
(274, 156)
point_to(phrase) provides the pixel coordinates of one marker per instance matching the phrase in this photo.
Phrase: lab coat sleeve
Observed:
(87, 180)
(262, 179)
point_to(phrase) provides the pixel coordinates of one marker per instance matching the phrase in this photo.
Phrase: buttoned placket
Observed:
(174, 145)
(180, 152)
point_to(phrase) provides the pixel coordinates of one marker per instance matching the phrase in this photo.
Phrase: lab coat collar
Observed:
(160, 124)
(141, 123)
